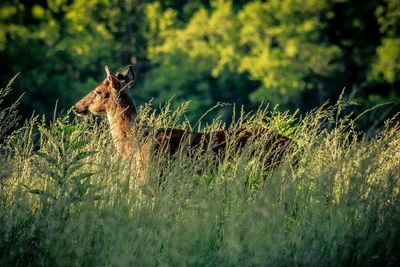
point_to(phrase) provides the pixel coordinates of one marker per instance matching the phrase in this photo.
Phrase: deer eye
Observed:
(98, 92)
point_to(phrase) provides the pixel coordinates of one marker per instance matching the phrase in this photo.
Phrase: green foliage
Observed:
(59, 164)
(67, 198)
(285, 125)
(337, 206)
(285, 47)
(294, 53)
(278, 49)
(60, 46)
(387, 66)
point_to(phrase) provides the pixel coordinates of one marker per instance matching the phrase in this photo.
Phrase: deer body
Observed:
(111, 99)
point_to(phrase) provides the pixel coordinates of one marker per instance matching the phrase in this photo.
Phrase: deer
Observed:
(110, 98)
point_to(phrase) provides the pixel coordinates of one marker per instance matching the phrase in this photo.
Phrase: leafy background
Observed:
(67, 198)
(297, 54)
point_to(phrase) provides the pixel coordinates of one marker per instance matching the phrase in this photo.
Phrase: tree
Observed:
(277, 47)
(195, 60)
(296, 53)
(283, 46)
(387, 63)
(60, 47)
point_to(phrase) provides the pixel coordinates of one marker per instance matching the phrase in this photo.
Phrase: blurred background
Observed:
(293, 53)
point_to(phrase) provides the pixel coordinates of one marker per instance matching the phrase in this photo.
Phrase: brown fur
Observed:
(171, 139)
(108, 99)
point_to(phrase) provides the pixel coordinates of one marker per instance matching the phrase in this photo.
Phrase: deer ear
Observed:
(129, 74)
(112, 78)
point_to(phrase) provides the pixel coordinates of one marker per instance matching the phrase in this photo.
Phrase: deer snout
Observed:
(80, 109)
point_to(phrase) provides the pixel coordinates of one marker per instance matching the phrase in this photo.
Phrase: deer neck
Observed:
(121, 118)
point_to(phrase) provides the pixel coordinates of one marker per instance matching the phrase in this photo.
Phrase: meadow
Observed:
(68, 199)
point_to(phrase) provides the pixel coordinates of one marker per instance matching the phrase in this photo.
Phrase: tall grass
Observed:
(68, 199)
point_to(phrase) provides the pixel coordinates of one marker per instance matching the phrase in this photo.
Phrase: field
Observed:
(68, 199)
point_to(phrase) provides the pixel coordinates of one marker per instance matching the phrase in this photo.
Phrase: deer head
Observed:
(109, 95)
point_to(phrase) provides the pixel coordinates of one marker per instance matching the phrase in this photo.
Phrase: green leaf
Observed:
(79, 144)
(83, 155)
(68, 130)
(85, 186)
(38, 192)
(82, 176)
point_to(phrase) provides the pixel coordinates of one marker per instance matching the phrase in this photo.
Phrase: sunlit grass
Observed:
(68, 198)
